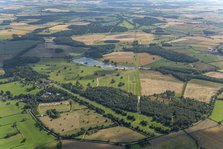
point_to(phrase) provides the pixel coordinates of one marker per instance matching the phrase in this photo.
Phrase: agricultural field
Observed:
(115, 134)
(122, 37)
(154, 83)
(73, 121)
(218, 75)
(68, 144)
(201, 90)
(210, 138)
(21, 129)
(146, 58)
(180, 141)
(17, 88)
(217, 113)
(120, 57)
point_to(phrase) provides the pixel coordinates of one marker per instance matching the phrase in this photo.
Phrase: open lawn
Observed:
(154, 83)
(28, 135)
(74, 121)
(115, 134)
(201, 90)
(217, 114)
(17, 88)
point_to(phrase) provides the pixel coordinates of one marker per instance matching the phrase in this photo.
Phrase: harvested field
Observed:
(120, 57)
(72, 122)
(210, 138)
(116, 134)
(146, 58)
(122, 37)
(201, 90)
(59, 28)
(154, 83)
(218, 75)
(67, 144)
(202, 125)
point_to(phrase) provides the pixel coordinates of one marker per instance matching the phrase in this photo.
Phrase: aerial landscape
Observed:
(111, 74)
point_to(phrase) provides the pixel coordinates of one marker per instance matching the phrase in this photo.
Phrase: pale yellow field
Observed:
(122, 37)
(210, 138)
(116, 134)
(218, 75)
(2, 72)
(73, 121)
(201, 90)
(120, 57)
(154, 83)
(59, 28)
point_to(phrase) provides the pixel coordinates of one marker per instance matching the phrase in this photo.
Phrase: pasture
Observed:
(217, 113)
(26, 134)
(72, 122)
(154, 83)
(115, 134)
(201, 90)
(17, 88)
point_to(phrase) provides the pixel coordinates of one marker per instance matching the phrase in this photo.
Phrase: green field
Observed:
(217, 114)
(28, 135)
(16, 88)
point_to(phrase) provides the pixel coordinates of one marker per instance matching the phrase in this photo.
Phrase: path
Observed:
(138, 105)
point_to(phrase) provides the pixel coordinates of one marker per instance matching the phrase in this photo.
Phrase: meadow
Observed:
(22, 127)
(217, 113)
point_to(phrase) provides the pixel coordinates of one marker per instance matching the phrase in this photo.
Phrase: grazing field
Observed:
(201, 90)
(17, 88)
(182, 141)
(74, 121)
(122, 37)
(146, 58)
(25, 133)
(217, 114)
(115, 134)
(68, 144)
(210, 138)
(154, 83)
(120, 57)
(218, 75)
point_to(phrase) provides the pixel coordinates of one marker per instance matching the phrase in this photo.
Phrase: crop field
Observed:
(182, 141)
(68, 144)
(74, 121)
(115, 134)
(201, 90)
(120, 57)
(218, 75)
(218, 64)
(217, 113)
(17, 88)
(146, 58)
(210, 138)
(154, 83)
(25, 133)
(54, 29)
(122, 37)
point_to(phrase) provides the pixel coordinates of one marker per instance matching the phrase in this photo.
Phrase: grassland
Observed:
(17, 88)
(29, 136)
(154, 83)
(201, 90)
(115, 134)
(217, 113)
